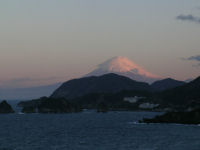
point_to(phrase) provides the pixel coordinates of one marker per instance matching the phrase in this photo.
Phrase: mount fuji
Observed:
(125, 67)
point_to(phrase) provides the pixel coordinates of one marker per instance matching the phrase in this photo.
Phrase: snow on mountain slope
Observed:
(123, 66)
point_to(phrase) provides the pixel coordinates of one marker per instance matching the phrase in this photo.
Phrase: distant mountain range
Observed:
(47, 90)
(121, 93)
(117, 84)
(98, 81)
(110, 83)
(167, 93)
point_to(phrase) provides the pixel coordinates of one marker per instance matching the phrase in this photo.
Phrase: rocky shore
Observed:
(192, 117)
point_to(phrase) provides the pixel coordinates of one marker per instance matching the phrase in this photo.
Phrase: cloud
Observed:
(194, 58)
(189, 18)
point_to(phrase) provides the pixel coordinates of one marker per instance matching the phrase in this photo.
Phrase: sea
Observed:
(90, 130)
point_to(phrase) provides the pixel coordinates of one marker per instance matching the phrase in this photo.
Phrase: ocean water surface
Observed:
(94, 131)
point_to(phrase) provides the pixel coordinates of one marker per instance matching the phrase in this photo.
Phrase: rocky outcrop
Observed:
(5, 108)
(192, 117)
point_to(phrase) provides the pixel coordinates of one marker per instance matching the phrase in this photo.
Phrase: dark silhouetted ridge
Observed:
(109, 83)
(165, 84)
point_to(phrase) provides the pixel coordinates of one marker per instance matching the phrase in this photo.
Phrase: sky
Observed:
(48, 41)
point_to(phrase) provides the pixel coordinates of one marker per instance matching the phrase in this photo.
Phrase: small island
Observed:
(192, 117)
(5, 108)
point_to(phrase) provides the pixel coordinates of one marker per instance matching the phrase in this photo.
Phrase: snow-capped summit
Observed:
(123, 66)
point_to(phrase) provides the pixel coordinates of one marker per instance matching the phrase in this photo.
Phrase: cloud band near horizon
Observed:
(189, 18)
(194, 58)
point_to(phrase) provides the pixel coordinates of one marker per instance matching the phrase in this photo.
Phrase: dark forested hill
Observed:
(109, 83)
(165, 84)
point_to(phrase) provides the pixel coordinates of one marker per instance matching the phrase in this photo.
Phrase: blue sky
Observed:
(45, 39)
